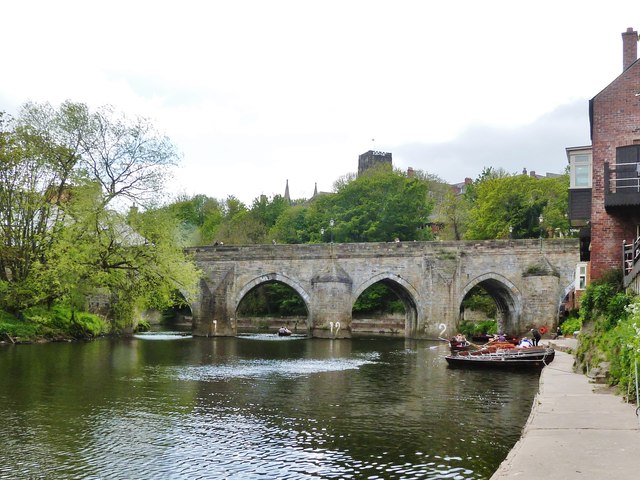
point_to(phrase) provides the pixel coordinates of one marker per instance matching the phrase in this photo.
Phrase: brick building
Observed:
(614, 116)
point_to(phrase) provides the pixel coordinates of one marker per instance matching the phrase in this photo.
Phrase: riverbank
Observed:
(576, 429)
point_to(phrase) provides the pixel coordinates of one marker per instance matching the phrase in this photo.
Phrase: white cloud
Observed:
(255, 93)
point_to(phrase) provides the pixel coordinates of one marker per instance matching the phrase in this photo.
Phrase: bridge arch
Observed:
(273, 277)
(406, 292)
(505, 294)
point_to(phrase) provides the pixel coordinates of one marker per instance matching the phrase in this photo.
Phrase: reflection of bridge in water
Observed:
(527, 279)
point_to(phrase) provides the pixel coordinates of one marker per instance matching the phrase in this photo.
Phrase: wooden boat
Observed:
(509, 358)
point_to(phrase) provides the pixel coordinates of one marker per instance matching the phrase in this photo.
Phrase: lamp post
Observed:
(540, 219)
(510, 232)
(322, 234)
(331, 224)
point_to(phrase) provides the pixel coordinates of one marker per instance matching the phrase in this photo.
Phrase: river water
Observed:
(164, 406)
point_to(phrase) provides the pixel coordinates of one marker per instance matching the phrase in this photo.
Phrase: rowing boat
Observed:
(512, 358)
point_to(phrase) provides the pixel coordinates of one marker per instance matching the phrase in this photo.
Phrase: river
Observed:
(166, 406)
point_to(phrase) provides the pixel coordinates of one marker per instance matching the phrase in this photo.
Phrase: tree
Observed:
(127, 157)
(62, 173)
(291, 226)
(35, 174)
(268, 210)
(133, 257)
(378, 206)
(199, 218)
(516, 203)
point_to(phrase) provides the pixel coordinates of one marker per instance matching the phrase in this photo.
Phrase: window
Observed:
(580, 169)
(581, 276)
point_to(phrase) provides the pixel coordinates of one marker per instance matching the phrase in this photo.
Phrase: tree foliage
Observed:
(519, 203)
(378, 206)
(126, 156)
(65, 175)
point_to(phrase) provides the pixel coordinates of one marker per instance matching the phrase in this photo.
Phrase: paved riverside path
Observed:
(575, 430)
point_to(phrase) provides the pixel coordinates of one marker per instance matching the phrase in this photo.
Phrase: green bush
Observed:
(570, 325)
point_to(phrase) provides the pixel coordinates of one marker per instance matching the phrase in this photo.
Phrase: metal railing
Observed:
(630, 257)
(622, 177)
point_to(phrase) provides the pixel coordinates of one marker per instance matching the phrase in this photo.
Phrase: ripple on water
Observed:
(263, 368)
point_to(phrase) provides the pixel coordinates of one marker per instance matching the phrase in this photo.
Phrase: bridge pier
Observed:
(330, 302)
(212, 316)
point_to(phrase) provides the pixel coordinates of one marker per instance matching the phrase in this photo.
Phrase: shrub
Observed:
(570, 325)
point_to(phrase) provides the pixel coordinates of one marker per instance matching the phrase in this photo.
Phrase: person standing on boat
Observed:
(536, 336)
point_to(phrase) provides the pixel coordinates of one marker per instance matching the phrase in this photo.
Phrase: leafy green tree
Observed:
(272, 299)
(133, 258)
(34, 178)
(199, 217)
(517, 203)
(453, 212)
(66, 174)
(291, 226)
(378, 206)
(242, 229)
(268, 210)
(378, 298)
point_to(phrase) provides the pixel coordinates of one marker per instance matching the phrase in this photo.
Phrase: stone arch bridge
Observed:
(526, 278)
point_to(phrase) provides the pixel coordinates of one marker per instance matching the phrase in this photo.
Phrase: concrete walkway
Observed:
(576, 430)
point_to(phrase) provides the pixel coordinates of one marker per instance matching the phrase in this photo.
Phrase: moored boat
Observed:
(511, 358)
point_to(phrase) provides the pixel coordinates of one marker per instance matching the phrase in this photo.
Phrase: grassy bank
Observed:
(50, 324)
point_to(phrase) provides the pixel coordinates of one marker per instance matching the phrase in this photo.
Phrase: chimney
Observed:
(629, 47)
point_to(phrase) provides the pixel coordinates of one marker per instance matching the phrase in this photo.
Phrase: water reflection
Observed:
(251, 407)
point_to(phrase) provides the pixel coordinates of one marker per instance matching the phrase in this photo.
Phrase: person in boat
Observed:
(284, 331)
(459, 338)
(525, 343)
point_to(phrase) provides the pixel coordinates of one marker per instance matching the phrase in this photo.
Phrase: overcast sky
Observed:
(253, 93)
